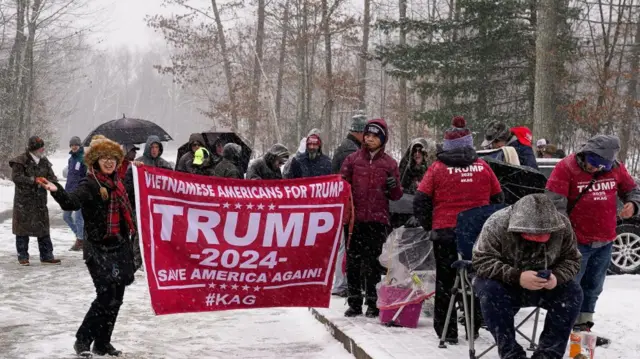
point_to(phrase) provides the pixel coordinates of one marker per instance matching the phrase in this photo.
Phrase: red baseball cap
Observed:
(524, 135)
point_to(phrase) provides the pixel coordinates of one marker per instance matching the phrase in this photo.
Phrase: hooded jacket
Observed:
(348, 146)
(501, 254)
(262, 168)
(569, 178)
(229, 167)
(76, 169)
(456, 182)
(185, 162)
(368, 177)
(410, 174)
(150, 161)
(303, 166)
(302, 147)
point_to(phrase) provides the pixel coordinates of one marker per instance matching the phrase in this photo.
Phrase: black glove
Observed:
(392, 183)
(413, 222)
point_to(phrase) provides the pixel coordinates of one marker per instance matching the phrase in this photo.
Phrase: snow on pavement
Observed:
(42, 307)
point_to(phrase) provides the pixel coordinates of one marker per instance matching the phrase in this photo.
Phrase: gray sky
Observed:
(123, 22)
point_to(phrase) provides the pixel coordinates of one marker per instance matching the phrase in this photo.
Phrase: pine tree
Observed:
(477, 63)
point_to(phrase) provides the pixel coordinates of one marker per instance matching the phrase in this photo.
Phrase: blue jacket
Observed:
(525, 154)
(302, 166)
(76, 170)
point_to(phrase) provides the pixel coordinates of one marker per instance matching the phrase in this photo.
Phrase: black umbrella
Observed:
(517, 181)
(212, 139)
(128, 131)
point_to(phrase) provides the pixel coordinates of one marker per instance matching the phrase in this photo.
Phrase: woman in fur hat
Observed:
(108, 251)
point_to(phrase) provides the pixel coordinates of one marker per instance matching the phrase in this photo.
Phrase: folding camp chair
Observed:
(469, 226)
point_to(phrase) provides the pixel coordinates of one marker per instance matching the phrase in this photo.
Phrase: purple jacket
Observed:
(368, 179)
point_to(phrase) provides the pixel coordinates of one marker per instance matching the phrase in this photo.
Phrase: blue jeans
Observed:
(75, 221)
(44, 245)
(593, 271)
(340, 279)
(500, 303)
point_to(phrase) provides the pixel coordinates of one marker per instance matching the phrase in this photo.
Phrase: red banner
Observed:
(214, 244)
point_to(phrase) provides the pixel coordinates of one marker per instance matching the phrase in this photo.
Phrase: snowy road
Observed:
(41, 308)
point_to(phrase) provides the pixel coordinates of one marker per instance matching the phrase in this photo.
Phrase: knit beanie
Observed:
(375, 129)
(458, 135)
(35, 143)
(75, 141)
(358, 123)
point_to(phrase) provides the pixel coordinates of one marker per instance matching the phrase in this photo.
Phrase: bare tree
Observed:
(546, 50)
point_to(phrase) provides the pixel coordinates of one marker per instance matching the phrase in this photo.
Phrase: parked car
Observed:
(626, 247)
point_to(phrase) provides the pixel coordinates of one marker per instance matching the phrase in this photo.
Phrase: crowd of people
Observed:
(553, 232)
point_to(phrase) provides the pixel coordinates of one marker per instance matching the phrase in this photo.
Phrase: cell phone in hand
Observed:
(544, 274)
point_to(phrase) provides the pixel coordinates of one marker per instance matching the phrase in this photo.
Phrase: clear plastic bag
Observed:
(408, 256)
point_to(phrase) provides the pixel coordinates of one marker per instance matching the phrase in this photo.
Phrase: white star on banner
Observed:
(223, 286)
(261, 206)
(238, 206)
(234, 287)
(256, 288)
(249, 206)
(212, 285)
(272, 207)
(226, 205)
(245, 287)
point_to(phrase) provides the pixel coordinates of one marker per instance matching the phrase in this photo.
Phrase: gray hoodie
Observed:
(150, 161)
(502, 254)
(605, 146)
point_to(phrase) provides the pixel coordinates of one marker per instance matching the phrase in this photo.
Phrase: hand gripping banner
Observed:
(214, 244)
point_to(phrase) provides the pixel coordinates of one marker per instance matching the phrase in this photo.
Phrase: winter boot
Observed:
(53, 261)
(353, 312)
(106, 349)
(372, 312)
(586, 327)
(77, 246)
(24, 262)
(372, 307)
(83, 349)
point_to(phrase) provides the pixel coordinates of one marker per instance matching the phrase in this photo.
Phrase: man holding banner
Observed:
(214, 244)
(375, 179)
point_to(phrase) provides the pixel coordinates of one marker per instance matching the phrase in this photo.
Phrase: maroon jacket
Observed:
(368, 179)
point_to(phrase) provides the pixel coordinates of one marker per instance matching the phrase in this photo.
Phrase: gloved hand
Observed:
(412, 223)
(392, 183)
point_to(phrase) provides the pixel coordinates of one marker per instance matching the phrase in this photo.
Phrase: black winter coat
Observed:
(348, 146)
(94, 211)
(227, 169)
(30, 213)
(302, 166)
(259, 170)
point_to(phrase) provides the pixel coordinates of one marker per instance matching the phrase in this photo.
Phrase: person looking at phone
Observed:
(527, 256)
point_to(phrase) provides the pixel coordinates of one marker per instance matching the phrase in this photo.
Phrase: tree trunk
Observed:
(632, 97)
(226, 63)
(403, 112)
(328, 66)
(362, 64)
(544, 109)
(257, 74)
(281, 60)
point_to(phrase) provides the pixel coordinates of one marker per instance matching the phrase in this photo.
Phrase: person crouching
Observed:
(108, 250)
(527, 256)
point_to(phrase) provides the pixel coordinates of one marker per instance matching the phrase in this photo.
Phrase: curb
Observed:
(349, 344)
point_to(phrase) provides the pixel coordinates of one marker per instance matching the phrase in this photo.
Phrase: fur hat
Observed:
(102, 147)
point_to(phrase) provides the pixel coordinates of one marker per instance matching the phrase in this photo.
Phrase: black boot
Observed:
(83, 349)
(106, 349)
(372, 312)
(586, 327)
(353, 312)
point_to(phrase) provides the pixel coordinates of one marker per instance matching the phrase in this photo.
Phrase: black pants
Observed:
(363, 269)
(445, 251)
(101, 318)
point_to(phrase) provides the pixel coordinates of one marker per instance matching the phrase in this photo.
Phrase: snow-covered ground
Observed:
(42, 307)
